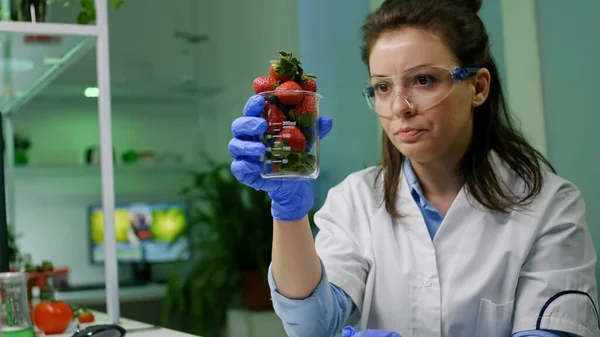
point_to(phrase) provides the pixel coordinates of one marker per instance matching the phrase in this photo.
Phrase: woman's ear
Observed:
(482, 87)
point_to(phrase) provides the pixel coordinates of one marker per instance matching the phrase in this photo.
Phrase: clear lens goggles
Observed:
(419, 89)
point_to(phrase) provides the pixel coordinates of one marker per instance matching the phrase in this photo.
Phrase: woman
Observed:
(462, 230)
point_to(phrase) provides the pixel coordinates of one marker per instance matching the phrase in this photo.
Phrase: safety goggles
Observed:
(420, 88)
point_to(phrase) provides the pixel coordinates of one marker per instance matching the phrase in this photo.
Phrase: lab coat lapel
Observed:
(466, 219)
(466, 214)
(413, 219)
(458, 215)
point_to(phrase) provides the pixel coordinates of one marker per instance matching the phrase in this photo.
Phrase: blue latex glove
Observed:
(291, 199)
(351, 332)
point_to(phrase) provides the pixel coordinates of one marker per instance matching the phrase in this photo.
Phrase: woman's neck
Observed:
(439, 181)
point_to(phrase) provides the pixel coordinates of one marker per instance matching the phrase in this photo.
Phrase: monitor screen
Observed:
(145, 232)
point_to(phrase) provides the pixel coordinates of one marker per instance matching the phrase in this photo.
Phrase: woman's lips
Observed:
(410, 135)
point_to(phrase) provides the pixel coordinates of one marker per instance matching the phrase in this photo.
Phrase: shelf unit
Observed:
(33, 55)
(76, 170)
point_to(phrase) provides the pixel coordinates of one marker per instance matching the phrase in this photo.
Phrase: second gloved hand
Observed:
(291, 199)
(351, 332)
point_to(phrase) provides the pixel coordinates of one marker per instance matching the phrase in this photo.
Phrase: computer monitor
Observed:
(146, 232)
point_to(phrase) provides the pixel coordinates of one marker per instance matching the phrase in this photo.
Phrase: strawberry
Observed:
(305, 113)
(294, 138)
(274, 117)
(286, 68)
(309, 85)
(264, 83)
(289, 98)
(274, 168)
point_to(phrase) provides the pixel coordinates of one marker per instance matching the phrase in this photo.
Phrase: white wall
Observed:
(570, 49)
(53, 194)
(51, 202)
(245, 35)
(524, 73)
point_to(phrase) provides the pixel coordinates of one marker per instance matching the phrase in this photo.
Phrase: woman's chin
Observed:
(419, 152)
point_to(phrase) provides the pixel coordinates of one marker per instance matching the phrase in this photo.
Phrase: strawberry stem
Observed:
(290, 66)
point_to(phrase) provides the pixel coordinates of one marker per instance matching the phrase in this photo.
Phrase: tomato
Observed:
(52, 317)
(85, 317)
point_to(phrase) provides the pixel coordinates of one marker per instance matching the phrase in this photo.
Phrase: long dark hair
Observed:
(457, 23)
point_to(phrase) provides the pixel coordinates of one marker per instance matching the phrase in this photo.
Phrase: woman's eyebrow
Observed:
(413, 68)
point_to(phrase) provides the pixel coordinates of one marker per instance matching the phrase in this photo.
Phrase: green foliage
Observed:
(13, 248)
(87, 12)
(230, 231)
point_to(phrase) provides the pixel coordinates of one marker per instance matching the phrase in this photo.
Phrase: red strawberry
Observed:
(289, 98)
(263, 83)
(294, 138)
(309, 85)
(305, 113)
(274, 117)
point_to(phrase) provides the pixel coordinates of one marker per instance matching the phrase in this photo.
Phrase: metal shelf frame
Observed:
(100, 32)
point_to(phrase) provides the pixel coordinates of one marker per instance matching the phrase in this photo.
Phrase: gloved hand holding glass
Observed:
(291, 198)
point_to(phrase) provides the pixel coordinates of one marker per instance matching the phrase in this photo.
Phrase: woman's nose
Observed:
(401, 106)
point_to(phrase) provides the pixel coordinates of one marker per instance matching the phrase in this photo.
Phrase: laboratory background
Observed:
(192, 244)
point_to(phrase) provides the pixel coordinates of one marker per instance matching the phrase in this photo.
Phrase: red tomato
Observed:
(52, 317)
(85, 317)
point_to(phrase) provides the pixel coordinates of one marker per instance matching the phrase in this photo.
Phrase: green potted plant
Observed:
(87, 12)
(17, 260)
(231, 232)
(22, 145)
(13, 248)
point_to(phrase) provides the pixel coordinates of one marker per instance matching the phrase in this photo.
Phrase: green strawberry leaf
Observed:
(299, 164)
(291, 115)
(310, 135)
(285, 64)
(280, 150)
(306, 121)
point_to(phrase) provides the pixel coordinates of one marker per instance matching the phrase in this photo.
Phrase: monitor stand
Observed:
(141, 272)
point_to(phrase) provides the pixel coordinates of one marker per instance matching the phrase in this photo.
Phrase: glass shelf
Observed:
(139, 93)
(29, 62)
(136, 168)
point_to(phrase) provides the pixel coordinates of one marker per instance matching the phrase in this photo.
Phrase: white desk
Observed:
(141, 303)
(242, 323)
(133, 328)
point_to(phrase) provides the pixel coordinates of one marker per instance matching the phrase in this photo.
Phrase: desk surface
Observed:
(133, 328)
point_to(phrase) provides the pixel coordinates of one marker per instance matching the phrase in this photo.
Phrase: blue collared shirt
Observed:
(333, 306)
(433, 218)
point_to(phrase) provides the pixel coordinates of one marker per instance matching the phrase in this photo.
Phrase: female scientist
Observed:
(462, 230)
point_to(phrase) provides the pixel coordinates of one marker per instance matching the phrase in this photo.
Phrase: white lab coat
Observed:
(485, 274)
